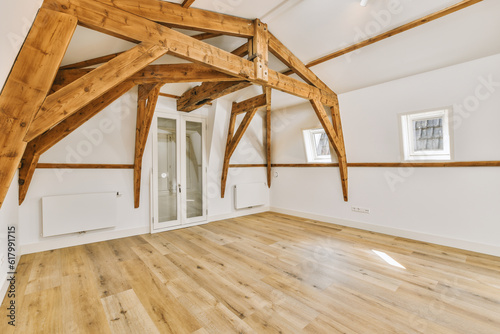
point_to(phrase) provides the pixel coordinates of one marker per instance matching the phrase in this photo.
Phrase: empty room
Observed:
(235, 166)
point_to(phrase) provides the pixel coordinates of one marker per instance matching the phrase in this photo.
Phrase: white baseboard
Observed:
(177, 227)
(80, 239)
(239, 213)
(435, 239)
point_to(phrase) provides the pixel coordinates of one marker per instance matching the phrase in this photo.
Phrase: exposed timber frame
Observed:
(41, 102)
(249, 107)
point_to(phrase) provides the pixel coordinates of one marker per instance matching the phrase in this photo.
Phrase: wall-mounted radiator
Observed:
(78, 213)
(249, 195)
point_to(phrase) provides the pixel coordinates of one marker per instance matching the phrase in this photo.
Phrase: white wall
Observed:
(108, 138)
(456, 207)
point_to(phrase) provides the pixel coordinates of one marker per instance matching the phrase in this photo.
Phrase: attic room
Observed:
(231, 166)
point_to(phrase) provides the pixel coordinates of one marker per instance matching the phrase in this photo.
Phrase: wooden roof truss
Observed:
(41, 102)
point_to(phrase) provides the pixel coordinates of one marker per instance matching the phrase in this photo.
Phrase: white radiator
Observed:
(249, 195)
(78, 213)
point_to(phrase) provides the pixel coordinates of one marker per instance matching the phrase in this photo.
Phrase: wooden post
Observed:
(268, 134)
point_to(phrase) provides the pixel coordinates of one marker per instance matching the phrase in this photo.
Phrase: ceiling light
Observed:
(363, 3)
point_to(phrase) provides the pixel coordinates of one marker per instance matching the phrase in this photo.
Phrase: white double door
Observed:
(179, 171)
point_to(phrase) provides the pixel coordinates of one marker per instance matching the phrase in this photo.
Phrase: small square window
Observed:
(317, 145)
(426, 135)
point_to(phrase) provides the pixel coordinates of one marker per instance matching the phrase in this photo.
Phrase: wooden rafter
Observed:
(198, 96)
(27, 86)
(334, 133)
(405, 27)
(201, 95)
(106, 58)
(45, 141)
(187, 3)
(82, 91)
(189, 18)
(252, 103)
(146, 104)
(106, 19)
(165, 73)
(234, 138)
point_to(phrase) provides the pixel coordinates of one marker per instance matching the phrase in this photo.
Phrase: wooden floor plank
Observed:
(265, 273)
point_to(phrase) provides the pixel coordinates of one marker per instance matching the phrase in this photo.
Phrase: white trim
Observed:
(408, 133)
(178, 227)
(80, 239)
(419, 236)
(239, 213)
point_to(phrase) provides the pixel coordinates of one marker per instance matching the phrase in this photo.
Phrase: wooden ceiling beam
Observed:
(205, 93)
(164, 73)
(107, 19)
(45, 141)
(72, 97)
(405, 27)
(281, 52)
(175, 15)
(27, 86)
(146, 104)
(254, 102)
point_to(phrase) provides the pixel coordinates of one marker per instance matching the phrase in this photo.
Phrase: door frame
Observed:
(182, 220)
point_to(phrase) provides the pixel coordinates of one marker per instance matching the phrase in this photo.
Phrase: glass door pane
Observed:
(167, 170)
(194, 169)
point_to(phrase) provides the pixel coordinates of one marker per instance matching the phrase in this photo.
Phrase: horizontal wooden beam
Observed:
(169, 95)
(151, 74)
(100, 17)
(250, 104)
(201, 95)
(395, 31)
(175, 15)
(83, 166)
(455, 164)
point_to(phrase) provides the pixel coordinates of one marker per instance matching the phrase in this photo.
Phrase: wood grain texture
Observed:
(335, 136)
(268, 92)
(265, 273)
(146, 105)
(66, 101)
(84, 166)
(45, 141)
(189, 18)
(455, 164)
(27, 86)
(249, 104)
(227, 156)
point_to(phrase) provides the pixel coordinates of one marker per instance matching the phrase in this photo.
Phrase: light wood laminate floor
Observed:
(265, 273)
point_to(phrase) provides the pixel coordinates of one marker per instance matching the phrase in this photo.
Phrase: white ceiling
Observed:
(314, 28)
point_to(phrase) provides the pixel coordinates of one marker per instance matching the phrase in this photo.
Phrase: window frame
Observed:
(310, 147)
(408, 135)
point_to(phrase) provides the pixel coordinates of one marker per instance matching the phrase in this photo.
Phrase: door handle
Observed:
(180, 190)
